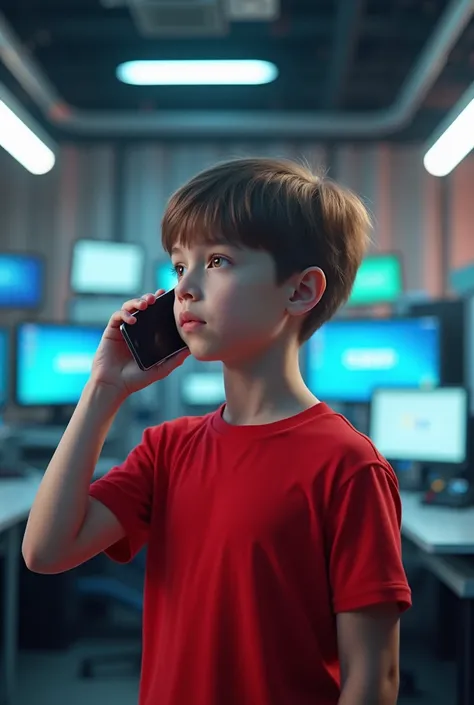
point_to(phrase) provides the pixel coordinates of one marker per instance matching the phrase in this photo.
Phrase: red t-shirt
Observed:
(257, 536)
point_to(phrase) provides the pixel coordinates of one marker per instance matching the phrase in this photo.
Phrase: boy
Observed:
(274, 572)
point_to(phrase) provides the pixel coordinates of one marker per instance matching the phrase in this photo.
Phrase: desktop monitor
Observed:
(21, 280)
(4, 366)
(451, 314)
(379, 280)
(427, 426)
(53, 362)
(165, 276)
(107, 267)
(347, 359)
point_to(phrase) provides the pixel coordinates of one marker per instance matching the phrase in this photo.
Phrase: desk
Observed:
(439, 530)
(446, 537)
(16, 498)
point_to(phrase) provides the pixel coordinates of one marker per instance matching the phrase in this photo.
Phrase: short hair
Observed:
(301, 218)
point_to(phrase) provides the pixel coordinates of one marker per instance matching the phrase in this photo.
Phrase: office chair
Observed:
(111, 588)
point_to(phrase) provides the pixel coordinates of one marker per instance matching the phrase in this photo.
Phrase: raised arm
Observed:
(66, 526)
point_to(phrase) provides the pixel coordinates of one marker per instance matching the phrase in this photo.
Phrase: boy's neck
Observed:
(266, 390)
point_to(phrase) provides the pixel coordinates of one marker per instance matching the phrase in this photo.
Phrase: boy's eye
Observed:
(217, 261)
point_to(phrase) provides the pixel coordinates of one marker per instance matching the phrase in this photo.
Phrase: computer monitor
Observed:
(93, 309)
(165, 276)
(427, 426)
(21, 280)
(53, 362)
(451, 315)
(107, 267)
(347, 359)
(203, 389)
(379, 280)
(4, 366)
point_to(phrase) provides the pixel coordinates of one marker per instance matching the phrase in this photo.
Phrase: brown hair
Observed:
(300, 218)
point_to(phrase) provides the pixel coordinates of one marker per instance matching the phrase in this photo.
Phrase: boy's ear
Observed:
(305, 291)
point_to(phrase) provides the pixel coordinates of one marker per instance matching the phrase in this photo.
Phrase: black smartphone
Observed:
(154, 337)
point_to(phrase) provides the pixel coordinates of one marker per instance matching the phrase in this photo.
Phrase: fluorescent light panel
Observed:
(455, 142)
(23, 144)
(197, 73)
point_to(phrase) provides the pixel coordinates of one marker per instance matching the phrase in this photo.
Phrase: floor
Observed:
(52, 679)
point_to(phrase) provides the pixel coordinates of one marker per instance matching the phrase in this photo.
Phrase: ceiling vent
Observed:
(179, 18)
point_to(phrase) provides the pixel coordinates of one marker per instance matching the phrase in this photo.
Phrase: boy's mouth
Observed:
(190, 322)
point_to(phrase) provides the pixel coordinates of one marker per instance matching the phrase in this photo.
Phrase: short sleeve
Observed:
(364, 542)
(127, 490)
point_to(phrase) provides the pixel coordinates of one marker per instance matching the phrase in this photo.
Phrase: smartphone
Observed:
(154, 337)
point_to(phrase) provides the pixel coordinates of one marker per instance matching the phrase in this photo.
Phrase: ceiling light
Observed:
(23, 144)
(197, 73)
(455, 142)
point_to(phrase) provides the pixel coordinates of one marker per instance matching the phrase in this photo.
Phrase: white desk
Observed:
(16, 498)
(446, 539)
(439, 530)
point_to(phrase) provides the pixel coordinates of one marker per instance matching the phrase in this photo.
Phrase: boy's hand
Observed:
(114, 366)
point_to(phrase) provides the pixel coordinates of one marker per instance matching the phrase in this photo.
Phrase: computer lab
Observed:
(254, 484)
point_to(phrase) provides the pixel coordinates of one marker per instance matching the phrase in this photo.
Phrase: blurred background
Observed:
(106, 107)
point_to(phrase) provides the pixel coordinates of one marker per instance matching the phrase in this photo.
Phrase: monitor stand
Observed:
(59, 416)
(410, 475)
(38, 439)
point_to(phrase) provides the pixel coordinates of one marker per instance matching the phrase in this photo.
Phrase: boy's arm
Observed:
(368, 582)
(66, 527)
(368, 644)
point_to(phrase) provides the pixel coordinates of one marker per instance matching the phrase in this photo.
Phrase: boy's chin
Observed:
(204, 353)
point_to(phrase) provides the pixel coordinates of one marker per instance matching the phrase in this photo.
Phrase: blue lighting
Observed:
(21, 280)
(165, 277)
(197, 73)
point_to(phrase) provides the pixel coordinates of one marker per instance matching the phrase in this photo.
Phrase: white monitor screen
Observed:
(420, 425)
(105, 267)
(203, 389)
(94, 309)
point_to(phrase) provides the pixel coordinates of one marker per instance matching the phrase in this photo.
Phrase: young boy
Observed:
(274, 572)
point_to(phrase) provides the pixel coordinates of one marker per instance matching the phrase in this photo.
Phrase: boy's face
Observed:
(233, 292)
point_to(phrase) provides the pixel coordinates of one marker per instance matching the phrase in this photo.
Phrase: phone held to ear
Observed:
(154, 337)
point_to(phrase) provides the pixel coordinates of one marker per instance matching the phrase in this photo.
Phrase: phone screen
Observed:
(154, 337)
